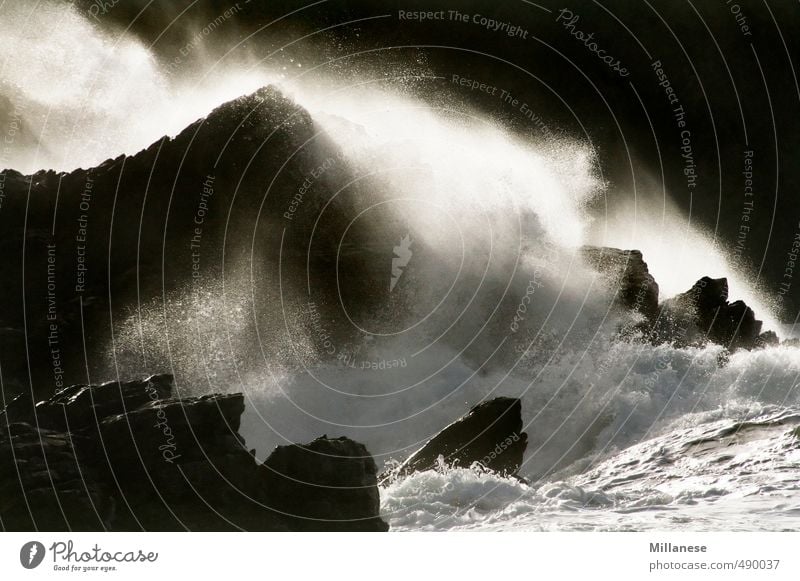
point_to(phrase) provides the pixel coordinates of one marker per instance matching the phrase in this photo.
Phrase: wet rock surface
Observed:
(698, 316)
(214, 170)
(703, 314)
(328, 482)
(490, 434)
(130, 456)
(627, 273)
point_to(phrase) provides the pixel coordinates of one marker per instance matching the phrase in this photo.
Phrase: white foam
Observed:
(661, 484)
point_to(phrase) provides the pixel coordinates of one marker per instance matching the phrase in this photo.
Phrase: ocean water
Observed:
(725, 456)
(717, 476)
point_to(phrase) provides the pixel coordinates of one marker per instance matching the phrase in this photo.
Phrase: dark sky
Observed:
(727, 67)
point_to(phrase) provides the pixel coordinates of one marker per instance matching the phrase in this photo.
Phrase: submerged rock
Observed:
(129, 456)
(490, 434)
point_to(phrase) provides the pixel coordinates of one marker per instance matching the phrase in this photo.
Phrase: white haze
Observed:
(85, 95)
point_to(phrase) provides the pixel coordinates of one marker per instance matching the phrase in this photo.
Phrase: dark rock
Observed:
(768, 339)
(42, 485)
(700, 315)
(257, 139)
(18, 409)
(77, 407)
(626, 272)
(490, 434)
(703, 314)
(126, 456)
(328, 484)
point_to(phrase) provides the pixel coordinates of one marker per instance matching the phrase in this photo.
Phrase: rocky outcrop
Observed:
(326, 484)
(703, 314)
(698, 316)
(42, 486)
(626, 273)
(88, 264)
(77, 407)
(490, 434)
(768, 339)
(130, 456)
